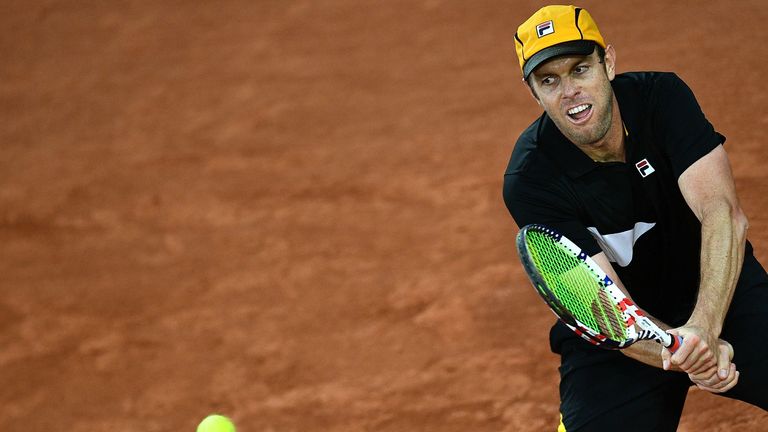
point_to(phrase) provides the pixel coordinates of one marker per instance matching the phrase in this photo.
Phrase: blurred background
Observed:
(290, 212)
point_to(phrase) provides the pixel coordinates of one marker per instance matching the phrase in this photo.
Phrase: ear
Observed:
(610, 62)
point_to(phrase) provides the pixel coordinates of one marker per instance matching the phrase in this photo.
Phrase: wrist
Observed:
(705, 322)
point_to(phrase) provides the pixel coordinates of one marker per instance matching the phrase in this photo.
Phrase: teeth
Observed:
(578, 109)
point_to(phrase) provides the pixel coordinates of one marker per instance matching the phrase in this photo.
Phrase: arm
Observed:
(708, 188)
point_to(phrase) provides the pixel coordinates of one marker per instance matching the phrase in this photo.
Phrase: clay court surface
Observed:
(290, 211)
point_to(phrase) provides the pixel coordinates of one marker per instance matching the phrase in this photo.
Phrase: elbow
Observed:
(740, 221)
(723, 213)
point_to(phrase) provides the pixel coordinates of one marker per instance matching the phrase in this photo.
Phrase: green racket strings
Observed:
(575, 286)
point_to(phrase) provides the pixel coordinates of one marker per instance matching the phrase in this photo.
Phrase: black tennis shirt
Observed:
(634, 210)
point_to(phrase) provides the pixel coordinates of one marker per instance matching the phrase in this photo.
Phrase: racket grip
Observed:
(676, 342)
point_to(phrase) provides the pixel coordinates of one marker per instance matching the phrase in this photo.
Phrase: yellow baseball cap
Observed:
(554, 31)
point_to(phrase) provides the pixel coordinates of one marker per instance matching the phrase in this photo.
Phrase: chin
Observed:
(588, 134)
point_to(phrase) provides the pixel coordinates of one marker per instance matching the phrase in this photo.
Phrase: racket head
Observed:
(574, 287)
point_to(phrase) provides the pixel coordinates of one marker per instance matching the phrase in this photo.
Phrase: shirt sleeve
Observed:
(530, 201)
(683, 131)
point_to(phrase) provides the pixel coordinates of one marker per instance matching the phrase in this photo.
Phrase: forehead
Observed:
(562, 64)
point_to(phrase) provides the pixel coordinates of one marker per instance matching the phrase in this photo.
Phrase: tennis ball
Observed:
(216, 423)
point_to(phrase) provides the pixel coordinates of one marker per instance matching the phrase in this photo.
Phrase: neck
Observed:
(611, 147)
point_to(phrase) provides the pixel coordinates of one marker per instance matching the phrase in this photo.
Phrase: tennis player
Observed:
(628, 167)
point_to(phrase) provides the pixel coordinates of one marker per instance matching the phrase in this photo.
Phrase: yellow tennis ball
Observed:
(216, 423)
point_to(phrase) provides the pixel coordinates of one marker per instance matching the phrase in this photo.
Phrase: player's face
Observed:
(576, 93)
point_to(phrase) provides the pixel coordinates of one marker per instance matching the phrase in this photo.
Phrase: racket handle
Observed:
(675, 343)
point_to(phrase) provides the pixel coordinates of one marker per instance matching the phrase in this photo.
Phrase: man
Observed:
(628, 167)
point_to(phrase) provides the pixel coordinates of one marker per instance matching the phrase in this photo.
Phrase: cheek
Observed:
(606, 93)
(550, 104)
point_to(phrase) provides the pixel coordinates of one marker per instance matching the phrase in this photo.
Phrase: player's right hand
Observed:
(698, 353)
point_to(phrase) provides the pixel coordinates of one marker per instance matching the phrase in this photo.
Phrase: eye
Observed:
(580, 69)
(547, 80)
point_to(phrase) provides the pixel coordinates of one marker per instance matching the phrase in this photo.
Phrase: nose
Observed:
(570, 88)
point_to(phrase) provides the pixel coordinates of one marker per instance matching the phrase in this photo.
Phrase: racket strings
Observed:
(610, 323)
(577, 287)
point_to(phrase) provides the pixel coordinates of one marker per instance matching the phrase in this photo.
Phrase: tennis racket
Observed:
(581, 295)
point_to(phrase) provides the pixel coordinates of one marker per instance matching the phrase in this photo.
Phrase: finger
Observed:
(665, 355)
(689, 345)
(703, 376)
(704, 363)
(703, 370)
(728, 383)
(718, 385)
(724, 362)
(732, 383)
(700, 356)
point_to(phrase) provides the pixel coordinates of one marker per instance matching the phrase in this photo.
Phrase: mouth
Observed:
(580, 113)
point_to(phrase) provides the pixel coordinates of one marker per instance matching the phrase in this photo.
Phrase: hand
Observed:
(699, 352)
(713, 381)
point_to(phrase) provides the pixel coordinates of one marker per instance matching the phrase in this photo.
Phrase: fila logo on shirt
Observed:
(644, 168)
(545, 28)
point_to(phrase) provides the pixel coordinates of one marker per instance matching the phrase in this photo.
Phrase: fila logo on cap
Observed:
(644, 168)
(545, 28)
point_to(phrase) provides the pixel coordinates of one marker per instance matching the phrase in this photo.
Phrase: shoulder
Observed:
(653, 99)
(532, 176)
(646, 77)
(646, 83)
(527, 157)
(664, 94)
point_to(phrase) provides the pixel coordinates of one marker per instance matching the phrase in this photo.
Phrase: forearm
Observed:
(649, 351)
(646, 351)
(723, 236)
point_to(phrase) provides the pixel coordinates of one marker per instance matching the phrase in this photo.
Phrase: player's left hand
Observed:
(712, 379)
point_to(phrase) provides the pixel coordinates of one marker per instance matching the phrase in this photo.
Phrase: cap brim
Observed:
(579, 47)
